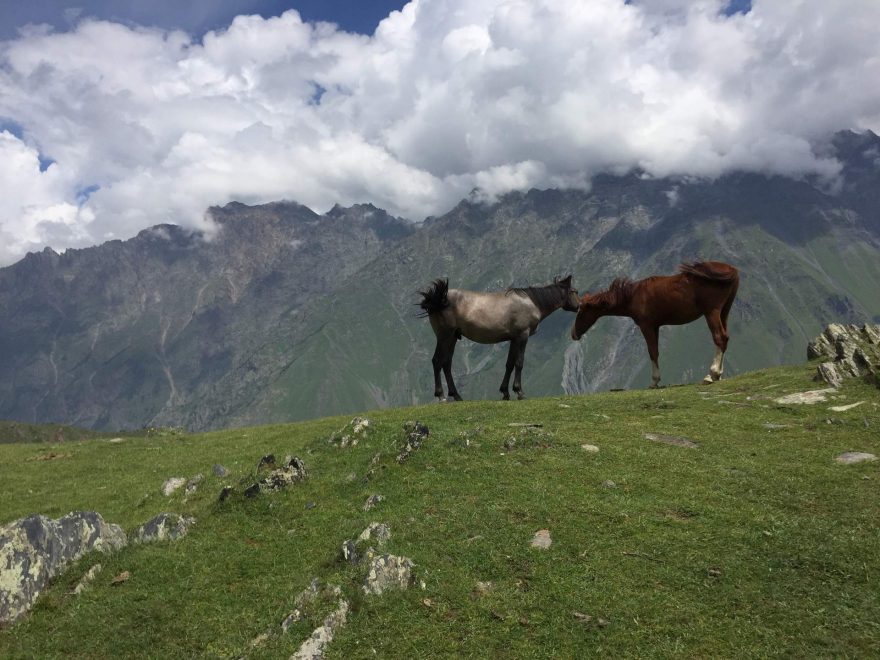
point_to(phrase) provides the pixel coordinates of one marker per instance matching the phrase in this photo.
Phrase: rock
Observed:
(307, 596)
(351, 433)
(849, 457)
(593, 449)
(350, 552)
(172, 484)
(380, 532)
(483, 588)
(164, 527)
(293, 471)
(310, 505)
(193, 484)
(806, 398)
(678, 441)
(388, 572)
(847, 407)
(35, 549)
(125, 576)
(372, 501)
(608, 484)
(415, 434)
(266, 463)
(220, 471)
(225, 493)
(313, 648)
(116, 441)
(542, 539)
(847, 351)
(86, 580)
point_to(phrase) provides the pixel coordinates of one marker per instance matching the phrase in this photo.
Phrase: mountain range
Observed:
(284, 314)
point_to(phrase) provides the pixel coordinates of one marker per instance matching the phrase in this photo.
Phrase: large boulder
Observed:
(847, 351)
(35, 549)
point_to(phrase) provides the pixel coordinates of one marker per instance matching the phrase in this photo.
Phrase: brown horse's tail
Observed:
(434, 300)
(714, 271)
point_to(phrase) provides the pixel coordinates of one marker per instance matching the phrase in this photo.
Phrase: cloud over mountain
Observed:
(111, 128)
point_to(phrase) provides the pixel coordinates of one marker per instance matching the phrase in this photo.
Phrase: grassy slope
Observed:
(795, 536)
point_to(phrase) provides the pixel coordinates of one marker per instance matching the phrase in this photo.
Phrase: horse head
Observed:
(590, 309)
(570, 299)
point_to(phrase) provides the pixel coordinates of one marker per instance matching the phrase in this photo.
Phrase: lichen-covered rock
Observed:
(388, 572)
(850, 457)
(313, 648)
(372, 501)
(351, 433)
(292, 471)
(35, 549)
(847, 351)
(172, 484)
(805, 398)
(220, 471)
(193, 484)
(164, 527)
(414, 434)
(86, 580)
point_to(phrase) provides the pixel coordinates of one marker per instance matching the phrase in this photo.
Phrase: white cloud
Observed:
(446, 96)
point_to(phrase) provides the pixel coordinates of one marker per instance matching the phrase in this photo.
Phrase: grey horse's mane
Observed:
(546, 297)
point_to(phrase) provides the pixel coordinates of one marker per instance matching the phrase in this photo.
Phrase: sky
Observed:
(119, 115)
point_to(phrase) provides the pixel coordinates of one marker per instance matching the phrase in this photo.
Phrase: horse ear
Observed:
(565, 281)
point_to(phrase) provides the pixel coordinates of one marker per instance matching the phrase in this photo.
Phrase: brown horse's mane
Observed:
(618, 293)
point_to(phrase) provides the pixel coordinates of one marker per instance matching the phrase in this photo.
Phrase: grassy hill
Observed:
(754, 544)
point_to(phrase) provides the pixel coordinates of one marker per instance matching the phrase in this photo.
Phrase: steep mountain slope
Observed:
(805, 258)
(286, 315)
(128, 333)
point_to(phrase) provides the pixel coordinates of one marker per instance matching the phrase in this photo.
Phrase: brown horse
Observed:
(704, 288)
(489, 318)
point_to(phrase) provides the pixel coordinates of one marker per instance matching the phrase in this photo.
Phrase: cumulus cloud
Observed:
(146, 126)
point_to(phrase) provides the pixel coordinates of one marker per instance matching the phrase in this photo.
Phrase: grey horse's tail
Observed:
(434, 300)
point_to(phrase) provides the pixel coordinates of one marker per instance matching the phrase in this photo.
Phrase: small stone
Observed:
(313, 648)
(259, 640)
(266, 463)
(608, 484)
(592, 449)
(379, 532)
(542, 539)
(116, 441)
(193, 484)
(85, 582)
(850, 457)
(582, 618)
(122, 577)
(714, 572)
(678, 441)
(225, 493)
(483, 588)
(220, 471)
(164, 527)
(310, 505)
(172, 484)
(372, 501)
(388, 572)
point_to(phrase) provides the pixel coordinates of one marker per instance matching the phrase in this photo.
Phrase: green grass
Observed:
(795, 537)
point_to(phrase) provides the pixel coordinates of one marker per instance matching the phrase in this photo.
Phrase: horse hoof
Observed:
(520, 396)
(655, 386)
(708, 380)
(505, 397)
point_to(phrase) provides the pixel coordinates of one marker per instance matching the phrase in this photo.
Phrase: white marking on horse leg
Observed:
(716, 368)
(655, 374)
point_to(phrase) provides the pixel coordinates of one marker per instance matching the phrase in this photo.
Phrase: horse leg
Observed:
(518, 366)
(447, 369)
(511, 360)
(437, 362)
(651, 334)
(720, 337)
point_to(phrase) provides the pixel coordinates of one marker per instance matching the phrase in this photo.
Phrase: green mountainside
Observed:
(284, 314)
(754, 543)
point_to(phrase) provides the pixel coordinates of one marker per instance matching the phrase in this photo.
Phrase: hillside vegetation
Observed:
(756, 543)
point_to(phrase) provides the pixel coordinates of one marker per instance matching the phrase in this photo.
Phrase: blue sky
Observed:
(193, 16)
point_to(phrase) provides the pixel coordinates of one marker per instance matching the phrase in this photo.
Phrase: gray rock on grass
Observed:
(850, 457)
(164, 527)
(173, 484)
(676, 440)
(847, 351)
(388, 572)
(35, 549)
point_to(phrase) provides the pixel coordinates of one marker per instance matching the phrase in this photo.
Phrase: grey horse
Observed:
(489, 318)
